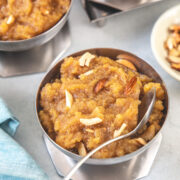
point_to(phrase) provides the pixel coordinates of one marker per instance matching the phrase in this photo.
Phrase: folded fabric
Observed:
(15, 162)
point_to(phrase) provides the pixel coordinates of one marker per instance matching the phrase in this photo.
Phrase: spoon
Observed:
(145, 110)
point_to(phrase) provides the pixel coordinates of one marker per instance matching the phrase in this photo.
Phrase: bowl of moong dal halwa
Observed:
(30, 22)
(93, 96)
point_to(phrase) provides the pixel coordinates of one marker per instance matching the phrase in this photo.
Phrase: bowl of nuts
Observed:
(165, 41)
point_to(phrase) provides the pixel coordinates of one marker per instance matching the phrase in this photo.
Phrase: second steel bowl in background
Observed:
(21, 45)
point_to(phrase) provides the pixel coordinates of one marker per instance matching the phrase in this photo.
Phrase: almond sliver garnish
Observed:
(129, 86)
(85, 59)
(92, 121)
(141, 141)
(11, 19)
(127, 64)
(90, 130)
(120, 130)
(69, 99)
(87, 73)
(88, 60)
(82, 60)
(81, 149)
(100, 85)
(174, 59)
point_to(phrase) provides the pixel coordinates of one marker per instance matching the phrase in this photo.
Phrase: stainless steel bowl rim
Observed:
(42, 38)
(107, 161)
(43, 33)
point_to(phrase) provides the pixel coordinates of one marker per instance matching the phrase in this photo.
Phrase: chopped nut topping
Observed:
(11, 19)
(175, 66)
(127, 64)
(90, 130)
(86, 59)
(172, 45)
(90, 122)
(174, 52)
(69, 99)
(100, 85)
(174, 59)
(130, 85)
(174, 28)
(46, 12)
(81, 149)
(120, 130)
(141, 141)
(86, 73)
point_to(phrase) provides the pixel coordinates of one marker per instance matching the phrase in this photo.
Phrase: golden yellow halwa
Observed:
(24, 19)
(95, 101)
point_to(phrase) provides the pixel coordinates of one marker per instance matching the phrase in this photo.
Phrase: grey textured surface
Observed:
(129, 31)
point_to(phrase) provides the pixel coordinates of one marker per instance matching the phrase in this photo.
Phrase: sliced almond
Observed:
(46, 12)
(85, 59)
(176, 66)
(127, 64)
(176, 37)
(90, 130)
(10, 20)
(90, 122)
(125, 56)
(69, 99)
(120, 130)
(174, 59)
(171, 43)
(174, 27)
(174, 52)
(82, 60)
(88, 60)
(81, 149)
(87, 73)
(129, 86)
(172, 46)
(141, 141)
(100, 85)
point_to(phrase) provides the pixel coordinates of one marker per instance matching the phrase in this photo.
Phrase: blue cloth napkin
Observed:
(15, 162)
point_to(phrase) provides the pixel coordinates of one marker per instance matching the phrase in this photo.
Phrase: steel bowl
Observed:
(141, 66)
(21, 45)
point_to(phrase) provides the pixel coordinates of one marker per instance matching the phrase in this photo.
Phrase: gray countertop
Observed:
(129, 31)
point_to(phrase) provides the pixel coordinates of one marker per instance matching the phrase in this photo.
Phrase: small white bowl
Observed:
(159, 35)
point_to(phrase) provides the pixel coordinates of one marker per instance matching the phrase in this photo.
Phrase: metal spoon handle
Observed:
(152, 97)
(95, 150)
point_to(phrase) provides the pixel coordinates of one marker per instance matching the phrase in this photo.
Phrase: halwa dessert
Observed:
(96, 99)
(172, 45)
(24, 19)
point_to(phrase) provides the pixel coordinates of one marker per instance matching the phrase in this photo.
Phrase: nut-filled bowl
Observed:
(95, 98)
(161, 36)
(23, 30)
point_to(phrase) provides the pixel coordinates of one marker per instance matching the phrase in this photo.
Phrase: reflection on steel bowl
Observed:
(93, 98)
(25, 24)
